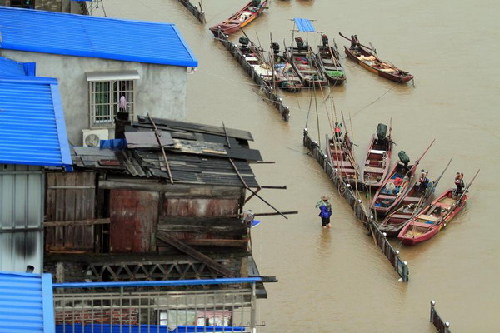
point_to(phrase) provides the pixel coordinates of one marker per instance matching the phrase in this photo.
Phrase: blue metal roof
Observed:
(95, 37)
(26, 303)
(304, 25)
(32, 124)
(11, 68)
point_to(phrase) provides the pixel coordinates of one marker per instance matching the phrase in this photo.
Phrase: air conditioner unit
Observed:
(93, 137)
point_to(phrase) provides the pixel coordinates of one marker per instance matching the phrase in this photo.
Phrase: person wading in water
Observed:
(325, 208)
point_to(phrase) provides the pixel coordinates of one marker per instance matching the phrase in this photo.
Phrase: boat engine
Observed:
(324, 40)
(244, 43)
(300, 43)
(276, 47)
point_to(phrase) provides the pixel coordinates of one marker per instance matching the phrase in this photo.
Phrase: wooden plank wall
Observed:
(70, 197)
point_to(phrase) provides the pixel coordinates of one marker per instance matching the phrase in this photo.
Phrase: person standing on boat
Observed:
(459, 183)
(325, 208)
(423, 181)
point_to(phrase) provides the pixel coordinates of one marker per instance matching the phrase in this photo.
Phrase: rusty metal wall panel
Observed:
(133, 216)
(70, 197)
(21, 217)
(199, 207)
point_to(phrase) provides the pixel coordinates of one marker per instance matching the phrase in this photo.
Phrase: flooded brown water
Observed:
(337, 280)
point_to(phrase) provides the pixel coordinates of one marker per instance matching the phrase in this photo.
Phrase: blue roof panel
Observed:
(304, 25)
(26, 303)
(95, 37)
(11, 68)
(32, 123)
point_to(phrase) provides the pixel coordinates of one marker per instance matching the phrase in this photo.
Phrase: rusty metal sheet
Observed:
(133, 216)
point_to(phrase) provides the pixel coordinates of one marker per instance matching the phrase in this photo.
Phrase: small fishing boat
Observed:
(286, 76)
(329, 59)
(303, 59)
(416, 199)
(254, 56)
(306, 64)
(339, 152)
(396, 187)
(378, 158)
(431, 219)
(366, 57)
(244, 16)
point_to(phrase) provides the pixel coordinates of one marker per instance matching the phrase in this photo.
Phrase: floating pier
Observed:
(348, 193)
(266, 88)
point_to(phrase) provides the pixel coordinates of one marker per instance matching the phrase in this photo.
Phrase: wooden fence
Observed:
(441, 326)
(349, 194)
(266, 88)
(198, 13)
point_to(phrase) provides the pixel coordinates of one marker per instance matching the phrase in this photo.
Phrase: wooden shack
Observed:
(163, 204)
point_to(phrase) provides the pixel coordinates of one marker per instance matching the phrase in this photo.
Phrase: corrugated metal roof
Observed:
(11, 68)
(26, 303)
(32, 123)
(96, 37)
(303, 25)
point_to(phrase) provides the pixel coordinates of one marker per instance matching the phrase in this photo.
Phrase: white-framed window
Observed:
(110, 92)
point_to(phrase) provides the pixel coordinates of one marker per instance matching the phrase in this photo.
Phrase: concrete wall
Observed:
(160, 91)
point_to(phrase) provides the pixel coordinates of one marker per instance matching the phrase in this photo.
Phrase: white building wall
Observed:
(160, 91)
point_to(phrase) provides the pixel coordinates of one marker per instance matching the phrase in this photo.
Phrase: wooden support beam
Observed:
(75, 223)
(181, 246)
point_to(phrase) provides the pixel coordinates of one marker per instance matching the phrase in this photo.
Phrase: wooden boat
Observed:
(244, 16)
(416, 199)
(329, 59)
(339, 152)
(431, 219)
(378, 159)
(366, 57)
(306, 64)
(396, 187)
(286, 76)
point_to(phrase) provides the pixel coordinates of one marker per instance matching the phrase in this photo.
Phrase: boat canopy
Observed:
(304, 25)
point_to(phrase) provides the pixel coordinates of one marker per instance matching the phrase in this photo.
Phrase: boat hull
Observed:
(397, 76)
(239, 20)
(431, 220)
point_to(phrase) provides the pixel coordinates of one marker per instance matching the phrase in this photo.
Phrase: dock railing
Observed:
(219, 305)
(266, 88)
(198, 13)
(349, 194)
(441, 326)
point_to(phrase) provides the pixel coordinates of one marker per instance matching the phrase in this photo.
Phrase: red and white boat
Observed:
(433, 218)
(244, 16)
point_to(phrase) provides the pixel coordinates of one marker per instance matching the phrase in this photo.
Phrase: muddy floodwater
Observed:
(337, 280)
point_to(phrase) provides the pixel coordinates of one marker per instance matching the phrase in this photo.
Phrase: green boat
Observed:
(328, 57)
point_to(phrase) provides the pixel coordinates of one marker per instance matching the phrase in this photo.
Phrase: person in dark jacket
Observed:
(325, 208)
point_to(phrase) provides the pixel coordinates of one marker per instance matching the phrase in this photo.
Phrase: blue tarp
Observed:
(303, 25)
